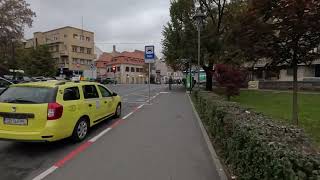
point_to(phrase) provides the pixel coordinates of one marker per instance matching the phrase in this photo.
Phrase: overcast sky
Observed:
(113, 21)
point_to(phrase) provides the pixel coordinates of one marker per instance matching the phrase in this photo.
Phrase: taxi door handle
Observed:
(90, 105)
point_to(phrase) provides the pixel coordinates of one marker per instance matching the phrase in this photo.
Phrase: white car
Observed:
(4, 84)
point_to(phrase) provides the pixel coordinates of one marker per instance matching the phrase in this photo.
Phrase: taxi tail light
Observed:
(55, 111)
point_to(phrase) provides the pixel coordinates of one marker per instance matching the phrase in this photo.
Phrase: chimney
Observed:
(114, 48)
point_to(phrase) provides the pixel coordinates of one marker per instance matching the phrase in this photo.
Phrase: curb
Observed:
(213, 153)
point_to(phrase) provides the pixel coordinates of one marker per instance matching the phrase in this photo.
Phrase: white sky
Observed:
(113, 21)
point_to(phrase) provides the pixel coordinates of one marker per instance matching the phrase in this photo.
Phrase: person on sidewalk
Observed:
(170, 83)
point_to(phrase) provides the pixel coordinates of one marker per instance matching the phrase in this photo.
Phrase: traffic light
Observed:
(114, 69)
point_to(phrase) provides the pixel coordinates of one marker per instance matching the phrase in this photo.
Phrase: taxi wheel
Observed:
(80, 131)
(117, 114)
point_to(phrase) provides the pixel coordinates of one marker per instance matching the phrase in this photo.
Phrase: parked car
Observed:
(109, 81)
(54, 110)
(4, 83)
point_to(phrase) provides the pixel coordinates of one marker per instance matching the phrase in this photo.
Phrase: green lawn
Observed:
(278, 105)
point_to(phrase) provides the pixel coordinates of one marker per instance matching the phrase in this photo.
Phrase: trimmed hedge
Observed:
(254, 146)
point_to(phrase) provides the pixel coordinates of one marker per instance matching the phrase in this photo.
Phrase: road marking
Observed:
(127, 115)
(73, 153)
(46, 173)
(82, 147)
(164, 92)
(139, 107)
(94, 139)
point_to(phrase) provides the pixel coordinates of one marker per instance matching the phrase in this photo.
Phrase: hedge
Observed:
(253, 145)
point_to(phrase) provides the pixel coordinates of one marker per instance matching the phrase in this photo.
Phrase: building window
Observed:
(137, 69)
(74, 49)
(108, 70)
(89, 62)
(75, 36)
(141, 69)
(81, 37)
(74, 60)
(132, 69)
(89, 51)
(81, 61)
(127, 69)
(81, 49)
(55, 38)
(57, 48)
(65, 36)
(118, 69)
(88, 38)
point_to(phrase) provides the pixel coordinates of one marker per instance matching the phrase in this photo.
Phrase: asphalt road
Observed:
(20, 161)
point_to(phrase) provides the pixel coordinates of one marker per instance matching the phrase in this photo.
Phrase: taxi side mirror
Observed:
(114, 94)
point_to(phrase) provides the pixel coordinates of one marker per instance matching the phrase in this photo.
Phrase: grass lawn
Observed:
(278, 105)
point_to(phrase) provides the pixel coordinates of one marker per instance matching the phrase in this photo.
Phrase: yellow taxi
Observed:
(54, 110)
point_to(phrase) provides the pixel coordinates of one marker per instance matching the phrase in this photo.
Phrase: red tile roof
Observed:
(133, 58)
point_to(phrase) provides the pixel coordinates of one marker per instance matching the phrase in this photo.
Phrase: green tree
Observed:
(286, 32)
(14, 16)
(179, 43)
(36, 62)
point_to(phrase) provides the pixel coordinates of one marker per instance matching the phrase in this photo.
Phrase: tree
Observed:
(286, 32)
(14, 16)
(36, 62)
(230, 78)
(179, 43)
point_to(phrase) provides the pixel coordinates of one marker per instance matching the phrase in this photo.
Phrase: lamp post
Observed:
(199, 17)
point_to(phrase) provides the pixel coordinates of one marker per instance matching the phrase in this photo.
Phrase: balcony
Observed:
(64, 53)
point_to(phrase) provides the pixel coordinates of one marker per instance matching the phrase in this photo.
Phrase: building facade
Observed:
(130, 67)
(71, 48)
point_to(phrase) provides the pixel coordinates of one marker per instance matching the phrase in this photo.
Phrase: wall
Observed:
(303, 71)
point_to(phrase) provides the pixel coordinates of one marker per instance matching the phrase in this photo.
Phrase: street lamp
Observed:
(198, 18)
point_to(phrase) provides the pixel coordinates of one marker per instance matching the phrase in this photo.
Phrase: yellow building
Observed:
(72, 48)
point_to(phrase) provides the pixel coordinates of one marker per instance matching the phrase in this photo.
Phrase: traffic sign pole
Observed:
(149, 83)
(149, 58)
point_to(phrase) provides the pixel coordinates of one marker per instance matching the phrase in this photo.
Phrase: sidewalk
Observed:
(162, 141)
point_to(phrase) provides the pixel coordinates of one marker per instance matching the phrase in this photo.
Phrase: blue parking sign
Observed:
(149, 55)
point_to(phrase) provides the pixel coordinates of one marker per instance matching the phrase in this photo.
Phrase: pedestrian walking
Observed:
(170, 83)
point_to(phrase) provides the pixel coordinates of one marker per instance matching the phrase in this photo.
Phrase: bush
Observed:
(254, 146)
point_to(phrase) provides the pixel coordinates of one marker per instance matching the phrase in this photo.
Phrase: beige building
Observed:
(130, 66)
(72, 48)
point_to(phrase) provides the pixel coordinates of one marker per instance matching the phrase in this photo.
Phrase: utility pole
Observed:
(199, 17)
(13, 59)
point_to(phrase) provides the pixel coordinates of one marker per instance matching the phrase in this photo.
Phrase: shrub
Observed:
(230, 78)
(254, 146)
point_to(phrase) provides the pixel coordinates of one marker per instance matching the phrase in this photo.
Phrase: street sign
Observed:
(149, 54)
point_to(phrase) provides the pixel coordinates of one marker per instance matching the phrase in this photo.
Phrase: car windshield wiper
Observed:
(19, 100)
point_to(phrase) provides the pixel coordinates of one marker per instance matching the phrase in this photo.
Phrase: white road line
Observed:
(139, 107)
(94, 139)
(164, 92)
(127, 116)
(46, 173)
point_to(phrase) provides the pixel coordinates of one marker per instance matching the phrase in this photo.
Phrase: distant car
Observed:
(54, 110)
(4, 84)
(109, 81)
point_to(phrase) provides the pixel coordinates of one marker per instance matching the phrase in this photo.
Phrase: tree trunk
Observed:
(209, 80)
(295, 112)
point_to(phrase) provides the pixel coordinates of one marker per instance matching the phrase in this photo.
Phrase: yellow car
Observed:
(54, 110)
